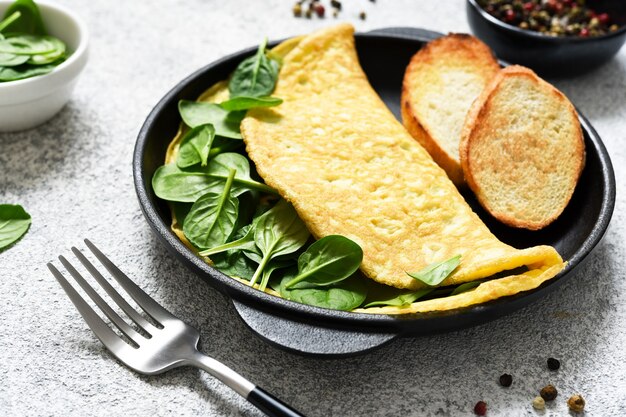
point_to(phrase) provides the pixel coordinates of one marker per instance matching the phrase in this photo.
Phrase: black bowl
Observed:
(384, 58)
(550, 56)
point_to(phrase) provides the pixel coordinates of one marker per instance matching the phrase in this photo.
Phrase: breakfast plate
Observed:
(383, 55)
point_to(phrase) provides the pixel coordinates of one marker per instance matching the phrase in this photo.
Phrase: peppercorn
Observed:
(506, 380)
(362, 15)
(548, 393)
(319, 10)
(297, 10)
(539, 403)
(480, 409)
(576, 403)
(335, 4)
(553, 364)
(308, 14)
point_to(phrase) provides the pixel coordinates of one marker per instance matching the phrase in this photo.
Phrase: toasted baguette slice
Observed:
(522, 149)
(440, 84)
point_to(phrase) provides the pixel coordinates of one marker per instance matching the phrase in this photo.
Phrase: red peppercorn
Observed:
(529, 6)
(319, 10)
(604, 18)
(584, 32)
(509, 15)
(480, 409)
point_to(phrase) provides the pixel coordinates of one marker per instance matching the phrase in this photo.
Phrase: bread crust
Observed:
(478, 122)
(458, 52)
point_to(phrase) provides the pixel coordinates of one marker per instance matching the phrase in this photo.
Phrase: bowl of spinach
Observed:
(43, 50)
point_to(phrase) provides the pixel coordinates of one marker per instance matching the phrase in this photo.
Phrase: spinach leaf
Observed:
(174, 184)
(14, 222)
(234, 264)
(29, 21)
(247, 103)
(278, 232)
(196, 113)
(7, 20)
(329, 260)
(195, 146)
(180, 211)
(435, 273)
(245, 242)
(12, 60)
(271, 267)
(23, 71)
(402, 299)
(27, 45)
(255, 76)
(465, 287)
(49, 57)
(212, 218)
(345, 295)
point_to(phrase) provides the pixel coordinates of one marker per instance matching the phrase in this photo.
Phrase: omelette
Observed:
(348, 167)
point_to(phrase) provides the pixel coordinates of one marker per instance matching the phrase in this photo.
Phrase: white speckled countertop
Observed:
(73, 175)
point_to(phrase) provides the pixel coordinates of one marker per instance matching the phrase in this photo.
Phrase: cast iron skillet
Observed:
(384, 55)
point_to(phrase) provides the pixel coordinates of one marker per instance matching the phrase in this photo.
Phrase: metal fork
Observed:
(168, 344)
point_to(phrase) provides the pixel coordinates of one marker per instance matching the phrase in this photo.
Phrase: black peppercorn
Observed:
(553, 364)
(506, 380)
(548, 392)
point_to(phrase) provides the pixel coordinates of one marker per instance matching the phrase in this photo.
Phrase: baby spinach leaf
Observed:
(180, 211)
(7, 20)
(174, 184)
(278, 232)
(234, 264)
(435, 273)
(12, 60)
(14, 222)
(247, 103)
(52, 56)
(271, 267)
(29, 21)
(195, 146)
(212, 218)
(345, 295)
(255, 76)
(27, 45)
(465, 287)
(196, 113)
(245, 242)
(331, 259)
(402, 299)
(24, 71)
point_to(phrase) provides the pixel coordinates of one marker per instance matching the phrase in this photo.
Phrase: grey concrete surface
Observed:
(73, 175)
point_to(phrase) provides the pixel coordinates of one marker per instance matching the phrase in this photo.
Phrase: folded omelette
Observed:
(335, 151)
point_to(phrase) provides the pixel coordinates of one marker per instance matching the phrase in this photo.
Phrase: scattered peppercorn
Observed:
(297, 10)
(553, 364)
(548, 393)
(576, 403)
(362, 15)
(308, 14)
(539, 403)
(506, 380)
(480, 409)
(319, 10)
(335, 4)
(551, 17)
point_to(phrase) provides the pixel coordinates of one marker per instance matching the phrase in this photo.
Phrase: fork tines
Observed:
(108, 337)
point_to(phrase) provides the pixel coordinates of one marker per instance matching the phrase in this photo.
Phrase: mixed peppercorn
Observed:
(552, 17)
(309, 8)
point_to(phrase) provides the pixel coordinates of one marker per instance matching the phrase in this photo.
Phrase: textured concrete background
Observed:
(73, 175)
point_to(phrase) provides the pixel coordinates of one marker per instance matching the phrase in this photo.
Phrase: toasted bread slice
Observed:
(440, 84)
(522, 149)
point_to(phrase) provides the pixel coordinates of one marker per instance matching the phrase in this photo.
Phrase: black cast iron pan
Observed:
(384, 55)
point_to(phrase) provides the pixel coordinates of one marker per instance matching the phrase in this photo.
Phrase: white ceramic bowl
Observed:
(30, 102)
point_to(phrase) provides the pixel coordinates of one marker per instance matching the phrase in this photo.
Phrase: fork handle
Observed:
(257, 396)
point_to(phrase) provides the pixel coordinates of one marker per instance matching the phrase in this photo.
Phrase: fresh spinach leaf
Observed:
(180, 211)
(278, 232)
(195, 146)
(255, 76)
(465, 287)
(24, 71)
(29, 20)
(402, 299)
(49, 57)
(329, 260)
(234, 264)
(7, 20)
(345, 295)
(27, 45)
(12, 60)
(247, 103)
(212, 218)
(14, 222)
(435, 273)
(271, 267)
(245, 242)
(174, 184)
(196, 113)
